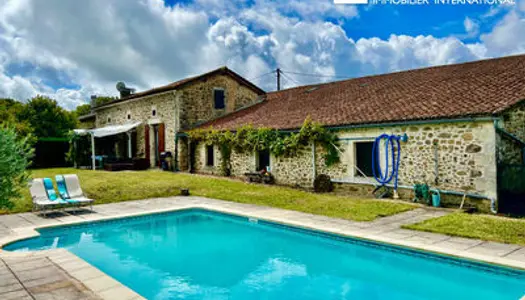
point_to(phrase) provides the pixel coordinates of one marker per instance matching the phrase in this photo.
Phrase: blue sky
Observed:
(70, 51)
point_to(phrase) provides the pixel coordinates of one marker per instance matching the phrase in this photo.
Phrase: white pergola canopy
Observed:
(107, 131)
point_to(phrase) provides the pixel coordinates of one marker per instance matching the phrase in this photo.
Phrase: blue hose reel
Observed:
(392, 142)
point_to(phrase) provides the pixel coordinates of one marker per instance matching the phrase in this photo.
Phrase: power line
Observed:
(318, 75)
(262, 75)
(289, 78)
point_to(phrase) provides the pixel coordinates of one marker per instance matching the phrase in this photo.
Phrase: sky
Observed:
(70, 50)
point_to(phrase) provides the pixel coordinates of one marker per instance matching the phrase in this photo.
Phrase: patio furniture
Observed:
(40, 197)
(72, 186)
(118, 166)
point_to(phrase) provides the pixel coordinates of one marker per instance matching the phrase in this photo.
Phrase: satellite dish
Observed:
(124, 91)
(121, 86)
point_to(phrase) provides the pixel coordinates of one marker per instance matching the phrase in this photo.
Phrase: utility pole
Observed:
(278, 79)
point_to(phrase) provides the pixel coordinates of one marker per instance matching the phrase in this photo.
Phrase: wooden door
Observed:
(161, 142)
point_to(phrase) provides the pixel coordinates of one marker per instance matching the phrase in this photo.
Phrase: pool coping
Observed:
(107, 287)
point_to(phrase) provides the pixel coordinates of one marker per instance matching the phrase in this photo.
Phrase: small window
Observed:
(129, 117)
(263, 160)
(218, 98)
(363, 158)
(154, 112)
(209, 155)
(109, 119)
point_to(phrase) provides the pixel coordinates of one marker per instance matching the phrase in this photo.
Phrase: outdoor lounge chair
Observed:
(69, 189)
(40, 197)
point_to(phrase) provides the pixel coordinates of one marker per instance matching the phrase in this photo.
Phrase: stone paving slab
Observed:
(38, 278)
(59, 269)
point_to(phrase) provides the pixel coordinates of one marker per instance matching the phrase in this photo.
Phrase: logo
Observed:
(429, 2)
(351, 1)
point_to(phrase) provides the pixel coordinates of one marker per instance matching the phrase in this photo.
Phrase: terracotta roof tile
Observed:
(478, 88)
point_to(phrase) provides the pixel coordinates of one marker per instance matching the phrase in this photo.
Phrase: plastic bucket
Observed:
(436, 199)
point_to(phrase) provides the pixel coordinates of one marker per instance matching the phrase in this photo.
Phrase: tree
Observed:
(82, 110)
(47, 118)
(15, 155)
(9, 116)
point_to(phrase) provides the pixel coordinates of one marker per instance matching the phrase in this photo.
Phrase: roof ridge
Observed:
(402, 71)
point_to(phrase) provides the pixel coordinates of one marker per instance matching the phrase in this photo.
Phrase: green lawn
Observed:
(484, 227)
(106, 187)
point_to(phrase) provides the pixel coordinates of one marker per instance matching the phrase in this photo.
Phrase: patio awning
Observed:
(108, 130)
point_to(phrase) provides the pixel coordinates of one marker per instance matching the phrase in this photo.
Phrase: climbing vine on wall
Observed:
(250, 139)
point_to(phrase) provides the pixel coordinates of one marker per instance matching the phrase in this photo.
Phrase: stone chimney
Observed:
(93, 101)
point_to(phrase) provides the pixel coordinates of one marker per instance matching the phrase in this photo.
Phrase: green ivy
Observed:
(250, 139)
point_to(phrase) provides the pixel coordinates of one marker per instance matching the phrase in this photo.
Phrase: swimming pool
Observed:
(199, 254)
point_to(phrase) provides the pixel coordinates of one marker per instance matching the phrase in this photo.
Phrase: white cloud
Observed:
(471, 27)
(146, 44)
(406, 52)
(504, 37)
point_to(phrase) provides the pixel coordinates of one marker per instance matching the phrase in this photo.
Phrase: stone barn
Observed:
(464, 123)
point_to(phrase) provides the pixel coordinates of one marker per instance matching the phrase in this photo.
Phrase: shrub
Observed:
(15, 155)
(323, 184)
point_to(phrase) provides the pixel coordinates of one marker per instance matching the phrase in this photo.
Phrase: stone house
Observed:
(163, 111)
(464, 123)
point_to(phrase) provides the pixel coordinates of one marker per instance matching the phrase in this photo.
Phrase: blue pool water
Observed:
(197, 254)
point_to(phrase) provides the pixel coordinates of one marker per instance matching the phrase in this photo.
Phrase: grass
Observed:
(484, 227)
(107, 187)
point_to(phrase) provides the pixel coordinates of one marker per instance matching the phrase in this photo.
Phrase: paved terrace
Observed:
(59, 274)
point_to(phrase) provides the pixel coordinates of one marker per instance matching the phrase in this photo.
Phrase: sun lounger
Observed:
(40, 197)
(71, 186)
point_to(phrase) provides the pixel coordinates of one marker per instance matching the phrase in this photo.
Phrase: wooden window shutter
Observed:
(162, 145)
(146, 141)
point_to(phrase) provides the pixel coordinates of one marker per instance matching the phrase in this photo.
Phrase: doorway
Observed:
(263, 160)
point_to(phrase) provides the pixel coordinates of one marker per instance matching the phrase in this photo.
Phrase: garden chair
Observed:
(40, 198)
(69, 187)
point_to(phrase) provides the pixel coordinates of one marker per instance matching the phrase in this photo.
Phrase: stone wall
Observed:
(465, 158)
(200, 160)
(198, 103)
(87, 124)
(513, 121)
(465, 152)
(242, 163)
(141, 109)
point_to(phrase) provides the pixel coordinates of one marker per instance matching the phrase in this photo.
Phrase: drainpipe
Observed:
(129, 144)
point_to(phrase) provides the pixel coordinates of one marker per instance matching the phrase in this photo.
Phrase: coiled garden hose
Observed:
(392, 142)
